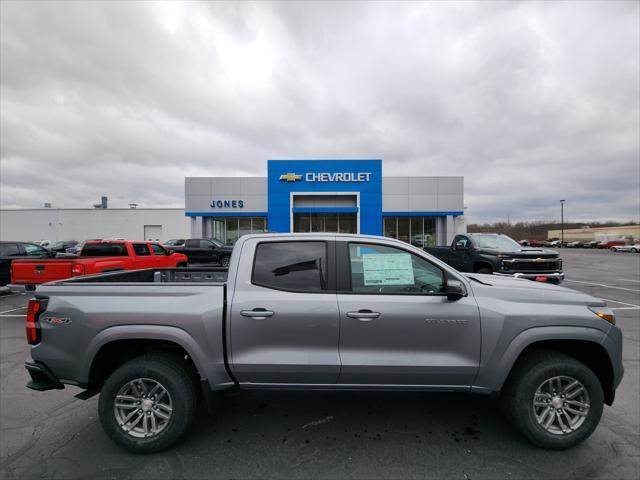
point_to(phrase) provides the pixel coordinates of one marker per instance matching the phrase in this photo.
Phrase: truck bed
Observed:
(154, 275)
(185, 306)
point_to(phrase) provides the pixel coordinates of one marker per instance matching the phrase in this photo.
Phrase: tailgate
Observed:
(36, 272)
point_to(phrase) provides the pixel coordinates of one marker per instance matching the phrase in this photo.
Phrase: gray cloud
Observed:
(531, 102)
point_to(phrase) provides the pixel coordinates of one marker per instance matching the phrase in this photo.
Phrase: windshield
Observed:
(497, 242)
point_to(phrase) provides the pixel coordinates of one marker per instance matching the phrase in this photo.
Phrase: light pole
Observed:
(562, 223)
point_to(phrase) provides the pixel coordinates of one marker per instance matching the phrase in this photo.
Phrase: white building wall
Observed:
(81, 224)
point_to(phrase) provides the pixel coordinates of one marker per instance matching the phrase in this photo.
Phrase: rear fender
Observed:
(211, 369)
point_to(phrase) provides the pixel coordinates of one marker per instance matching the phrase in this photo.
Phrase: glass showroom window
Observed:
(229, 229)
(418, 231)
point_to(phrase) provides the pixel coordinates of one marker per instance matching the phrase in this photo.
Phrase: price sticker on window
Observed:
(387, 269)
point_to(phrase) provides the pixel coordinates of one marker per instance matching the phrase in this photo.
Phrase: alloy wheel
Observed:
(561, 405)
(143, 408)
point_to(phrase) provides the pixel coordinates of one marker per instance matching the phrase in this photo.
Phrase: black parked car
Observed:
(12, 250)
(204, 250)
(62, 245)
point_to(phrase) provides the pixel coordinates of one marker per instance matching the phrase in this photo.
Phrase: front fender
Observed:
(493, 374)
(213, 371)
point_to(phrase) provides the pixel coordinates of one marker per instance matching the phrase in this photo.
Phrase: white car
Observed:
(635, 248)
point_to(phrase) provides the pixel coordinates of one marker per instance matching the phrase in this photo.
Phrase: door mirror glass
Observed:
(455, 290)
(461, 245)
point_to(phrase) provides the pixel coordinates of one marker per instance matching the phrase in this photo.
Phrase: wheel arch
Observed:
(583, 344)
(478, 264)
(114, 346)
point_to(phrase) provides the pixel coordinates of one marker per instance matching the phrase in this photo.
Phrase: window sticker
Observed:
(387, 269)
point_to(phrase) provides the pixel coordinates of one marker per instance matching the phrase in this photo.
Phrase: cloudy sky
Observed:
(531, 102)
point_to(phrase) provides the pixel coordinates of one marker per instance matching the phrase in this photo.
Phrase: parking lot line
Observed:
(605, 286)
(626, 308)
(13, 310)
(14, 315)
(628, 280)
(621, 303)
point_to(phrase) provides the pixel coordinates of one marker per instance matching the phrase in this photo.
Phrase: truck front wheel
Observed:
(224, 261)
(484, 270)
(553, 399)
(148, 403)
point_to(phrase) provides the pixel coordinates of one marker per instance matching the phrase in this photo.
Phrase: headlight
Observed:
(604, 313)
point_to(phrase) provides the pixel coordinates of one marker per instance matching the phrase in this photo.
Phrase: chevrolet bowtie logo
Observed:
(290, 177)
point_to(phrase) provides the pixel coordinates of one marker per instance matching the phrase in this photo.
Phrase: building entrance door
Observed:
(325, 222)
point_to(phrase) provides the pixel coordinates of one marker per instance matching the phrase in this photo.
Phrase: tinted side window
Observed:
(141, 249)
(34, 250)
(380, 269)
(104, 250)
(206, 244)
(157, 249)
(296, 266)
(9, 250)
(192, 243)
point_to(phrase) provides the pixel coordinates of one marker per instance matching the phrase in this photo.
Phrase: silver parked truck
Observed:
(323, 311)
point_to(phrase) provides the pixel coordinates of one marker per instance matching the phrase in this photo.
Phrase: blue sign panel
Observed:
(325, 176)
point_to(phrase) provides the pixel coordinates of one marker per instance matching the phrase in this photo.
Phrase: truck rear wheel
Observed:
(148, 403)
(553, 399)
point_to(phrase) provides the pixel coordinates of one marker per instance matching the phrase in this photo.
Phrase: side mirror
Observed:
(461, 246)
(52, 254)
(455, 290)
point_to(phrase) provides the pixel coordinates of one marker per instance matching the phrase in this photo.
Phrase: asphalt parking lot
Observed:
(328, 434)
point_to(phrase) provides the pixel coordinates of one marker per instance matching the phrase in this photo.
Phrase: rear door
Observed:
(397, 325)
(284, 323)
(195, 251)
(142, 258)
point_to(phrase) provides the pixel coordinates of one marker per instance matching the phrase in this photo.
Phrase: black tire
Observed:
(529, 374)
(224, 261)
(175, 376)
(634, 250)
(484, 270)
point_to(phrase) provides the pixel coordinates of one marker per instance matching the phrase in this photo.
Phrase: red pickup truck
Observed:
(95, 257)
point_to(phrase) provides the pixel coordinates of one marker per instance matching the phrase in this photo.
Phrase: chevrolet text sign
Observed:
(328, 177)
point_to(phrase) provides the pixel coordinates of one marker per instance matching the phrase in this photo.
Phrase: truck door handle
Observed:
(259, 313)
(364, 315)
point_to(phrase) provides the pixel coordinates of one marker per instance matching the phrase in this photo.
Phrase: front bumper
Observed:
(556, 276)
(41, 377)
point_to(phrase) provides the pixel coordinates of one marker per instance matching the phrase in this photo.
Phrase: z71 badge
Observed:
(57, 320)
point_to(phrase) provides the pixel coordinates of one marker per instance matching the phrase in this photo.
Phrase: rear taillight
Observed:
(77, 270)
(34, 309)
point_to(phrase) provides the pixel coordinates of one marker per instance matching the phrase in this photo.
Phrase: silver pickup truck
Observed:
(323, 311)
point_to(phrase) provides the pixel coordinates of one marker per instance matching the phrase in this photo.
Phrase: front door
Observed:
(397, 326)
(460, 254)
(284, 320)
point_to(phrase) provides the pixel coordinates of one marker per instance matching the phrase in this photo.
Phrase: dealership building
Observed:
(349, 196)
